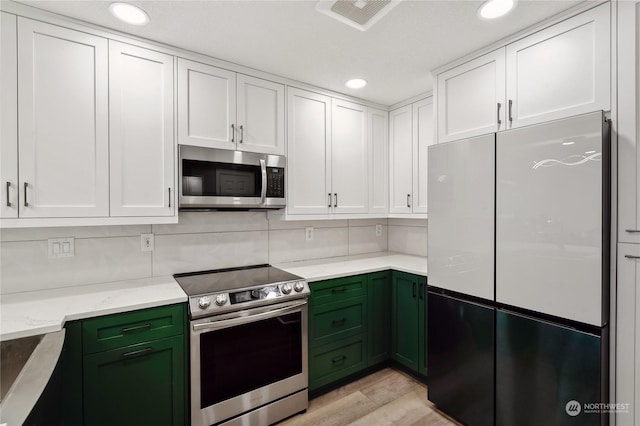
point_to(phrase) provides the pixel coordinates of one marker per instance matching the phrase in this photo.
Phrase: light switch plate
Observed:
(61, 247)
(146, 242)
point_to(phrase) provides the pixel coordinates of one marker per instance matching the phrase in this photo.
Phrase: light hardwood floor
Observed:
(387, 397)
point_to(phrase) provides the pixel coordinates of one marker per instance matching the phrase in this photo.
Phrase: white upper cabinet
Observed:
(63, 122)
(561, 71)
(422, 138)
(349, 157)
(206, 105)
(141, 131)
(378, 130)
(9, 117)
(308, 152)
(470, 98)
(222, 109)
(401, 159)
(260, 107)
(628, 122)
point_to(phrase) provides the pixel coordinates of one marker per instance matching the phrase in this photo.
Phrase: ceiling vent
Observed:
(360, 14)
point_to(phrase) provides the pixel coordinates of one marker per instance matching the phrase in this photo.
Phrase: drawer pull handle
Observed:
(137, 353)
(338, 322)
(136, 328)
(338, 359)
(630, 256)
(631, 231)
(338, 290)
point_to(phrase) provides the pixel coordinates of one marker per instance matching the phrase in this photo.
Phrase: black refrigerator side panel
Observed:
(461, 359)
(545, 373)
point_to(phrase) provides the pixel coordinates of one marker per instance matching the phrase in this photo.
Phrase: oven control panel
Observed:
(243, 298)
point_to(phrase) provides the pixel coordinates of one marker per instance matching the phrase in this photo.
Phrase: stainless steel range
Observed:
(248, 331)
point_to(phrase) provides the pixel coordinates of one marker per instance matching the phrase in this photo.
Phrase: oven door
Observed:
(246, 359)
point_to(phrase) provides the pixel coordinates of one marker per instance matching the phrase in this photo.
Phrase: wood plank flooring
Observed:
(386, 397)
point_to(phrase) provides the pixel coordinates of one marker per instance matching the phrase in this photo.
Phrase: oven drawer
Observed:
(118, 330)
(336, 360)
(330, 291)
(338, 320)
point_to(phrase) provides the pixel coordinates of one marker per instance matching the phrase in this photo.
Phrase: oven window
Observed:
(207, 178)
(239, 359)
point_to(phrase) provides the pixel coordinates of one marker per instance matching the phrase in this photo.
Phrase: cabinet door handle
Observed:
(421, 291)
(630, 256)
(233, 133)
(26, 185)
(510, 109)
(241, 133)
(335, 199)
(338, 359)
(414, 290)
(338, 290)
(631, 231)
(408, 200)
(169, 197)
(498, 113)
(330, 200)
(8, 188)
(137, 353)
(338, 322)
(136, 328)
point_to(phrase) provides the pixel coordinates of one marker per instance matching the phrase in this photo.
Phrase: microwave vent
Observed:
(360, 14)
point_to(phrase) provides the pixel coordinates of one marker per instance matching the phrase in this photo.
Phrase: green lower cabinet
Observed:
(408, 321)
(379, 317)
(336, 360)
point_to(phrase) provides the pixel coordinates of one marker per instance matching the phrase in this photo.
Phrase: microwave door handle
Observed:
(263, 170)
(248, 318)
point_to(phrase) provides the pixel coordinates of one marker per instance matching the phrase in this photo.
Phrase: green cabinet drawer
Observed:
(330, 291)
(331, 362)
(141, 384)
(119, 330)
(337, 320)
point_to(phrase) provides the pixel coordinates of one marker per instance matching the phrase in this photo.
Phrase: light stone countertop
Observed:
(39, 312)
(336, 267)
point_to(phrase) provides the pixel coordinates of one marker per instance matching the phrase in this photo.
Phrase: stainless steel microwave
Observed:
(223, 179)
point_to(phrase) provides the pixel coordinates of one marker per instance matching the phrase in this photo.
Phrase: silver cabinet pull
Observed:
(233, 133)
(169, 197)
(25, 194)
(330, 201)
(408, 200)
(630, 256)
(335, 199)
(8, 188)
(241, 133)
(631, 231)
(510, 109)
(499, 121)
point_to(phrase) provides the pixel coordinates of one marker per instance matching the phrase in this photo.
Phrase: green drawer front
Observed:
(336, 360)
(323, 292)
(337, 321)
(115, 331)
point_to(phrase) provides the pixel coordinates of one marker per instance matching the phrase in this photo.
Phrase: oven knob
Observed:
(221, 299)
(204, 302)
(299, 286)
(286, 288)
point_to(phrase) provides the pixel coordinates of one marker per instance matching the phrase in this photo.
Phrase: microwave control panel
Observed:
(275, 182)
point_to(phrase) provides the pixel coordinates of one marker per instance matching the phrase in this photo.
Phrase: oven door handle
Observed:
(263, 171)
(248, 318)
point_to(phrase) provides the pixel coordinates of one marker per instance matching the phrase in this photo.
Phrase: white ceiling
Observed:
(292, 39)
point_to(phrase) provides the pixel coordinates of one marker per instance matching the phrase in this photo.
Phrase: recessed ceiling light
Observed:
(356, 83)
(129, 13)
(495, 8)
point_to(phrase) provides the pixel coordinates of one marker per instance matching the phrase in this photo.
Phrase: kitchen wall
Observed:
(200, 241)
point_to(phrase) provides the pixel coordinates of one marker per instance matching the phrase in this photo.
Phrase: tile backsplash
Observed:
(202, 240)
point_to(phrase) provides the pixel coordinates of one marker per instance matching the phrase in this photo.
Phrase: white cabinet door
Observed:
(206, 105)
(62, 122)
(628, 333)
(308, 152)
(260, 115)
(141, 131)
(349, 155)
(422, 138)
(470, 98)
(378, 131)
(9, 118)
(561, 71)
(628, 122)
(400, 159)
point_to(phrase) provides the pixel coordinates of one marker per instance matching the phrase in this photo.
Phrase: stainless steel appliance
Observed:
(223, 179)
(519, 274)
(248, 351)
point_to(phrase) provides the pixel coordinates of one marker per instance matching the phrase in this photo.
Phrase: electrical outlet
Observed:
(146, 242)
(308, 233)
(61, 247)
(378, 230)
